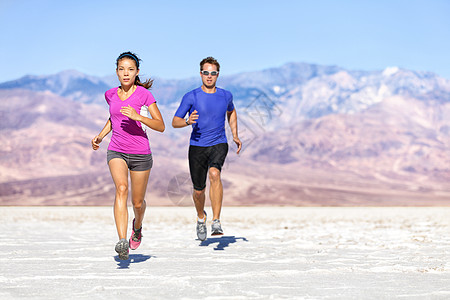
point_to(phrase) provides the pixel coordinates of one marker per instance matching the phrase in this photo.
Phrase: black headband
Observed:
(129, 55)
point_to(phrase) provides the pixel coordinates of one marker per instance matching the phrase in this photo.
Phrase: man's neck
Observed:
(208, 90)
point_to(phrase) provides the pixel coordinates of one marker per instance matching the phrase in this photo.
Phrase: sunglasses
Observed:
(213, 73)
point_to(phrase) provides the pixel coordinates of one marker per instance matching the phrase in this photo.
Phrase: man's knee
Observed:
(199, 193)
(214, 174)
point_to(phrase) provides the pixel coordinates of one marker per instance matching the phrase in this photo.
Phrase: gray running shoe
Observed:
(216, 228)
(122, 249)
(201, 229)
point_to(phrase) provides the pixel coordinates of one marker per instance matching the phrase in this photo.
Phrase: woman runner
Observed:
(129, 149)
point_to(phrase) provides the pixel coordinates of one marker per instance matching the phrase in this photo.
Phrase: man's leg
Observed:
(199, 201)
(215, 192)
(217, 156)
(198, 167)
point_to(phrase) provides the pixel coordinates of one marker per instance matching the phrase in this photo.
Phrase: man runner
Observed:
(207, 107)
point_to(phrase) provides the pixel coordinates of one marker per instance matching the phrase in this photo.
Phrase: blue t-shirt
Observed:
(211, 108)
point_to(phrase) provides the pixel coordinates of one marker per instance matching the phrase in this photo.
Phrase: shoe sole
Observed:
(216, 233)
(203, 236)
(124, 256)
(122, 251)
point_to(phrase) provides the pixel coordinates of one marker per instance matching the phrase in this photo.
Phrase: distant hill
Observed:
(313, 135)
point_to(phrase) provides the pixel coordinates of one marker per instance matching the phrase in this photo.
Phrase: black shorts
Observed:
(203, 158)
(135, 162)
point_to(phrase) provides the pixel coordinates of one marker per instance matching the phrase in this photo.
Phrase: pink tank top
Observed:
(128, 136)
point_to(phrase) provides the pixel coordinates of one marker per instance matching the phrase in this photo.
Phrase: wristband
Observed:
(187, 122)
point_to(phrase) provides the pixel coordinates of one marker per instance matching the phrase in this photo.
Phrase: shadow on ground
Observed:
(133, 259)
(222, 242)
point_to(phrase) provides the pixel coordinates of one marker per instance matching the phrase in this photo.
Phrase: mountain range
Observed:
(313, 135)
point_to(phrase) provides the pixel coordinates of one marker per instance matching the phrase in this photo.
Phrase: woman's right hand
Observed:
(96, 142)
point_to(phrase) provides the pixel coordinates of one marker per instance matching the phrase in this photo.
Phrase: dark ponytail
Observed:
(149, 82)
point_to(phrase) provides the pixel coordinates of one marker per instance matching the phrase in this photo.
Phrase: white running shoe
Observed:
(201, 229)
(216, 228)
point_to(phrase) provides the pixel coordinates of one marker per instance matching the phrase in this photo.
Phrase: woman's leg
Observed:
(139, 180)
(119, 173)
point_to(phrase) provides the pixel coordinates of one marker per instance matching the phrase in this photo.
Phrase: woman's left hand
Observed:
(130, 112)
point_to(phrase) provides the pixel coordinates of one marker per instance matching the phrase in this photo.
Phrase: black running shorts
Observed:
(203, 158)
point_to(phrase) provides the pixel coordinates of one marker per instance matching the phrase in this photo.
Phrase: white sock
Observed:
(202, 220)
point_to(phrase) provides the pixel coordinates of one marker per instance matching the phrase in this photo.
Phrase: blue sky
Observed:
(45, 37)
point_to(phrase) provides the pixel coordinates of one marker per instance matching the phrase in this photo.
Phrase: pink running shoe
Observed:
(136, 237)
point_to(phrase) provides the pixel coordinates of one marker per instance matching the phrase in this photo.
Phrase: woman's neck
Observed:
(128, 89)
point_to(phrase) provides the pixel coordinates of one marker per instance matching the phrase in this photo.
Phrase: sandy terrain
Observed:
(266, 253)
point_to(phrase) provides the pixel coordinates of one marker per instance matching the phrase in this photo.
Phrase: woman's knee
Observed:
(138, 203)
(122, 189)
